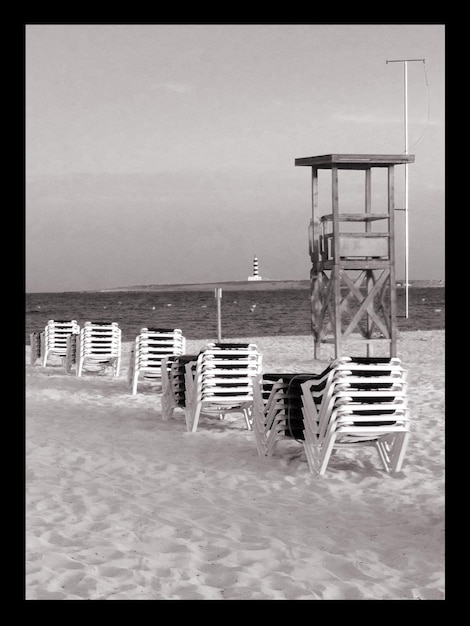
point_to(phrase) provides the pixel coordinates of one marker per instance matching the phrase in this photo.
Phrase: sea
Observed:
(201, 315)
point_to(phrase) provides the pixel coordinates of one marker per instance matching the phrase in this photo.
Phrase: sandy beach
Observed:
(121, 505)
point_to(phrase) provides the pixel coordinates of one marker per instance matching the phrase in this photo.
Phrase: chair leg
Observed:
(35, 348)
(260, 443)
(134, 382)
(188, 417)
(384, 447)
(195, 420)
(247, 414)
(395, 447)
(391, 450)
(313, 455)
(131, 370)
(42, 344)
(400, 452)
(327, 449)
(167, 408)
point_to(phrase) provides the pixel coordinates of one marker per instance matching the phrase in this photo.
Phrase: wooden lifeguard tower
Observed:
(352, 279)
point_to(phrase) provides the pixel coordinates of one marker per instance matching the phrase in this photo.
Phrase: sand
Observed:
(121, 505)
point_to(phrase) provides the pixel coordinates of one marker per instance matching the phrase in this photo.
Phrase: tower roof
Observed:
(355, 161)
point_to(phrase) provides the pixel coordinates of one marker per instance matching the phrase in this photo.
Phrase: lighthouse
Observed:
(255, 275)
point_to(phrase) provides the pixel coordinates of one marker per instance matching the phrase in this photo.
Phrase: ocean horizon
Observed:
(248, 309)
(237, 285)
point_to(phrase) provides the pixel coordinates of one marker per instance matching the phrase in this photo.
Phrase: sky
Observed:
(165, 153)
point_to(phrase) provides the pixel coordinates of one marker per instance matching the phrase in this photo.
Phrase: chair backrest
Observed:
(153, 344)
(177, 377)
(150, 348)
(285, 399)
(286, 387)
(56, 333)
(35, 341)
(221, 381)
(364, 401)
(300, 406)
(54, 340)
(173, 379)
(100, 339)
(224, 370)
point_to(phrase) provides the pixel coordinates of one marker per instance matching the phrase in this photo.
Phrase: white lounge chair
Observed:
(36, 342)
(173, 372)
(151, 346)
(365, 403)
(277, 411)
(221, 382)
(100, 348)
(73, 352)
(54, 342)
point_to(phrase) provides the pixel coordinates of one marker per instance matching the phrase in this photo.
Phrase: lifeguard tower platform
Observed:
(352, 279)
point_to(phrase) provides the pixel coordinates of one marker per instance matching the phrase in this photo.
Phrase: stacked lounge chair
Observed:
(99, 348)
(364, 403)
(51, 343)
(221, 381)
(354, 402)
(150, 347)
(277, 413)
(173, 377)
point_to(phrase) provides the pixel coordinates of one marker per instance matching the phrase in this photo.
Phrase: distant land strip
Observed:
(255, 285)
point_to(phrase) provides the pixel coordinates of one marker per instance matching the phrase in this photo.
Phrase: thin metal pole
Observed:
(405, 78)
(218, 296)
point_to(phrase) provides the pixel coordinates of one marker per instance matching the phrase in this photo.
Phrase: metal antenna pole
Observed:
(407, 241)
(405, 78)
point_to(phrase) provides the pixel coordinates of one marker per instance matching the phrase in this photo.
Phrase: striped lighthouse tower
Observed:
(255, 275)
